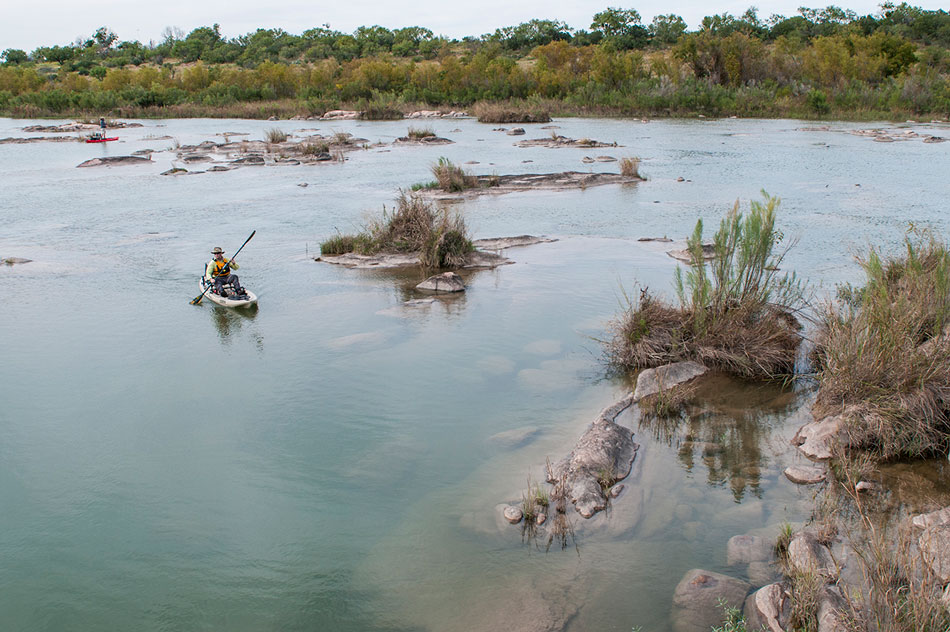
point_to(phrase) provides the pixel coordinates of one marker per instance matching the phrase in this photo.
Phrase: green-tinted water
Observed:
(325, 462)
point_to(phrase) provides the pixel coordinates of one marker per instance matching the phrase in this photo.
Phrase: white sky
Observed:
(27, 25)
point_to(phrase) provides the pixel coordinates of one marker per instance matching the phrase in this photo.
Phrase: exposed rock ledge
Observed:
(500, 243)
(486, 185)
(39, 139)
(608, 448)
(111, 161)
(475, 260)
(555, 141)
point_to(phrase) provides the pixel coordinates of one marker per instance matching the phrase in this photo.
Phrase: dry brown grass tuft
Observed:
(451, 177)
(630, 167)
(883, 352)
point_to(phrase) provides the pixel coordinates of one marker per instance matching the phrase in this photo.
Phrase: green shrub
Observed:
(737, 315)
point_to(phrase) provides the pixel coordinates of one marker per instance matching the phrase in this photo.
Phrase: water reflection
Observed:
(229, 322)
(724, 427)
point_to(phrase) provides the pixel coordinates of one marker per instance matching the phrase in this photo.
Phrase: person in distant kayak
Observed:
(219, 269)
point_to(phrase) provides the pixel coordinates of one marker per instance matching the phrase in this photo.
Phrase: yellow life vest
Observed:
(219, 267)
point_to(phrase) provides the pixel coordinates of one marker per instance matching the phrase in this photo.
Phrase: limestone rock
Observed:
(709, 252)
(604, 449)
(513, 514)
(934, 545)
(807, 555)
(15, 260)
(696, 599)
(767, 608)
(445, 282)
(664, 377)
(501, 243)
(925, 521)
(516, 131)
(252, 160)
(340, 115)
(805, 474)
(817, 439)
(114, 161)
(174, 171)
(830, 606)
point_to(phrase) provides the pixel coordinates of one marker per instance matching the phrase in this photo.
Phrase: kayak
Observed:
(101, 140)
(227, 301)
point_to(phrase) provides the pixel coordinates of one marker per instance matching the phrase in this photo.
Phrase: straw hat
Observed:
(217, 251)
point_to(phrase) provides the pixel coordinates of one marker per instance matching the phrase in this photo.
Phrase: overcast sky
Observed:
(27, 25)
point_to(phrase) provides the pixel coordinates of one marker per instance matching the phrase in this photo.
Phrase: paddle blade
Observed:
(196, 300)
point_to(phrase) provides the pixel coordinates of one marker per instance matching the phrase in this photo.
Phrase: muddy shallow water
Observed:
(326, 462)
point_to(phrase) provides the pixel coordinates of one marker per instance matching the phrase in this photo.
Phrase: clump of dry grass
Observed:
(451, 177)
(418, 133)
(511, 112)
(883, 352)
(736, 316)
(630, 167)
(274, 135)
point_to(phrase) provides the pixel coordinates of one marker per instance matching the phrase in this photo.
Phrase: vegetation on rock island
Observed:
(414, 226)
(821, 62)
(735, 313)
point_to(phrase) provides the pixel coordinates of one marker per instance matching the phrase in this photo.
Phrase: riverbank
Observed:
(737, 104)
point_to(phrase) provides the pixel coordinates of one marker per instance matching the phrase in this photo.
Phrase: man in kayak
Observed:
(219, 271)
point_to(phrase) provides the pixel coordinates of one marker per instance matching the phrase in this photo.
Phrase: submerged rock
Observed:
(445, 282)
(510, 439)
(500, 243)
(10, 261)
(696, 601)
(746, 549)
(805, 474)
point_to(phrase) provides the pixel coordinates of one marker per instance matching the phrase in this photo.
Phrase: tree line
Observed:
(816, 62)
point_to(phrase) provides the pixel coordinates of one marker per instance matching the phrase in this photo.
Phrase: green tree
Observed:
(14, 57)
(666, 29)
(620, 28)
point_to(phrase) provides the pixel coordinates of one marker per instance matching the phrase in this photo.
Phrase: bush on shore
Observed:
(737, 316)
(883, 352)
(414, 225)
(510, 112)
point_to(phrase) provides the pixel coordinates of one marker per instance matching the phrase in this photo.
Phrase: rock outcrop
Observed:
(818, 439)
(603, 455)
(697, 597)
(115, 161)
(768, 608)
(445, 282)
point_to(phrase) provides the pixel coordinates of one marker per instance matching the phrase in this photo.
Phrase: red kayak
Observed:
(100, 140)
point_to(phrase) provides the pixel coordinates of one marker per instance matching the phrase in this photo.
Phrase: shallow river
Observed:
(327, 462)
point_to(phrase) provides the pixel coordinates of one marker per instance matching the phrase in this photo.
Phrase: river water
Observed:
(327, 461)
